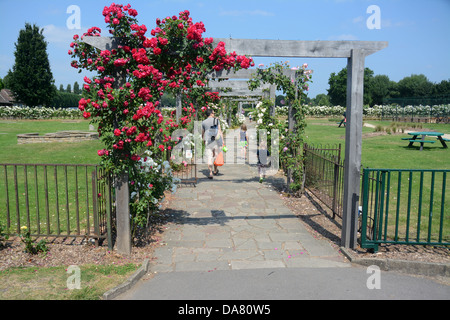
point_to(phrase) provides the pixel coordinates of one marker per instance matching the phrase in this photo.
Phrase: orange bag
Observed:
(219, 160)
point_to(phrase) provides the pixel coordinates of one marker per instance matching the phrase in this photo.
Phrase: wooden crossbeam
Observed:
(300, 49)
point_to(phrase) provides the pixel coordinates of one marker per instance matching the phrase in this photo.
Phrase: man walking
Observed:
(212, 136)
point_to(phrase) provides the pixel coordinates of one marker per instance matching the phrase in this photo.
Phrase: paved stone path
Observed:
(234, 222)
(233, 238)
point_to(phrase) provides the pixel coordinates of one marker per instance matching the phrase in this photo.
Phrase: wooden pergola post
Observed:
(123, 238)
(353, 142)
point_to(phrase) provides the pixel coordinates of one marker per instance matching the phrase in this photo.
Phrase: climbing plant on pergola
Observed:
(355, 52)
(111, 98)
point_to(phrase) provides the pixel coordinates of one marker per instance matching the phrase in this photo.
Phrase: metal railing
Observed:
(187, 173)
(324, 175)
(405, 207)
(56, 200)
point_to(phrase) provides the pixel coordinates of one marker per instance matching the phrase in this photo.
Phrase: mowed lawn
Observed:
(83, 152)
(419, 195)
(47, 197)
(387, 150)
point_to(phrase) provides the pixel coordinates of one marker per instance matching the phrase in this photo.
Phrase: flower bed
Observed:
(16, 112)
(379, 111)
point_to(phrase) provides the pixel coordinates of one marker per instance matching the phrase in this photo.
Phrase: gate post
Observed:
(123, 214)
(353, 142)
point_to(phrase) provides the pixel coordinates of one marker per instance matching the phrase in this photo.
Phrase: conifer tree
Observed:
(76, 88)
(31, 79)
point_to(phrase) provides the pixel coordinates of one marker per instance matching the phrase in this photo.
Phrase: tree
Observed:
(61, 88)
(338, 87)
(65, 100)
(168, 100)
(76, 88)
(31, 79)
(69, 88)
(280, 100)
(416, 85)
(321, 100)
(442, 87)
(6, 81)
(379, 88)
(393, 90)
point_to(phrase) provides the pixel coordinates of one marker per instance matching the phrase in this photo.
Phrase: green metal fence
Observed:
(405, 206)
(324, 175)
(56, 200)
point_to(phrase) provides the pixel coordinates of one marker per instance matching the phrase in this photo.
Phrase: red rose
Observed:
(163, 41)
(120, 62)
(102, 152)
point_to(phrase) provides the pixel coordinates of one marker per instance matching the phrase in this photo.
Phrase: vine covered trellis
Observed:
(294, 85)
(133, 69)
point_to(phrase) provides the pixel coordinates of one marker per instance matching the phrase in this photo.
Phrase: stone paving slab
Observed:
(233, 222)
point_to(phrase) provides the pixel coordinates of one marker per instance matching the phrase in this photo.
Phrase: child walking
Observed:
(263, 160)
(243, 141)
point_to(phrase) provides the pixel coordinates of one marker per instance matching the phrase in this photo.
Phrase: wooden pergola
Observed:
(355, 52)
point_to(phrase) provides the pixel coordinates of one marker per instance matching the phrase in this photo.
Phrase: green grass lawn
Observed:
(83, 152)
(50, 283)
(384, 151)
(35, 283)
(72, 211)
(389, 151)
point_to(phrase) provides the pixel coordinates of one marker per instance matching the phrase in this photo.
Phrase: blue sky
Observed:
(418, 31)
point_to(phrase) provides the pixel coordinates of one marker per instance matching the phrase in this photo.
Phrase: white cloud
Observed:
(387, 23)
(358, 19)
(60, 36)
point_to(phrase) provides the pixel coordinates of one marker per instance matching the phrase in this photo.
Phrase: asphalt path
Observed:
(354, 283)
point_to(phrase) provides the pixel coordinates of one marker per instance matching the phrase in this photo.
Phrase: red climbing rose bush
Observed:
(123, 97)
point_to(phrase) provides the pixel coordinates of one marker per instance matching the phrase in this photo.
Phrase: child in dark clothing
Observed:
(263, 160)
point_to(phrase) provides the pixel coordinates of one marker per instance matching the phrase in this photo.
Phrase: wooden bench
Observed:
(445, 139)
(422, 141)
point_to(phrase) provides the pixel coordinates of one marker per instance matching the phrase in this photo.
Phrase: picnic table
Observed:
(422, 140)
